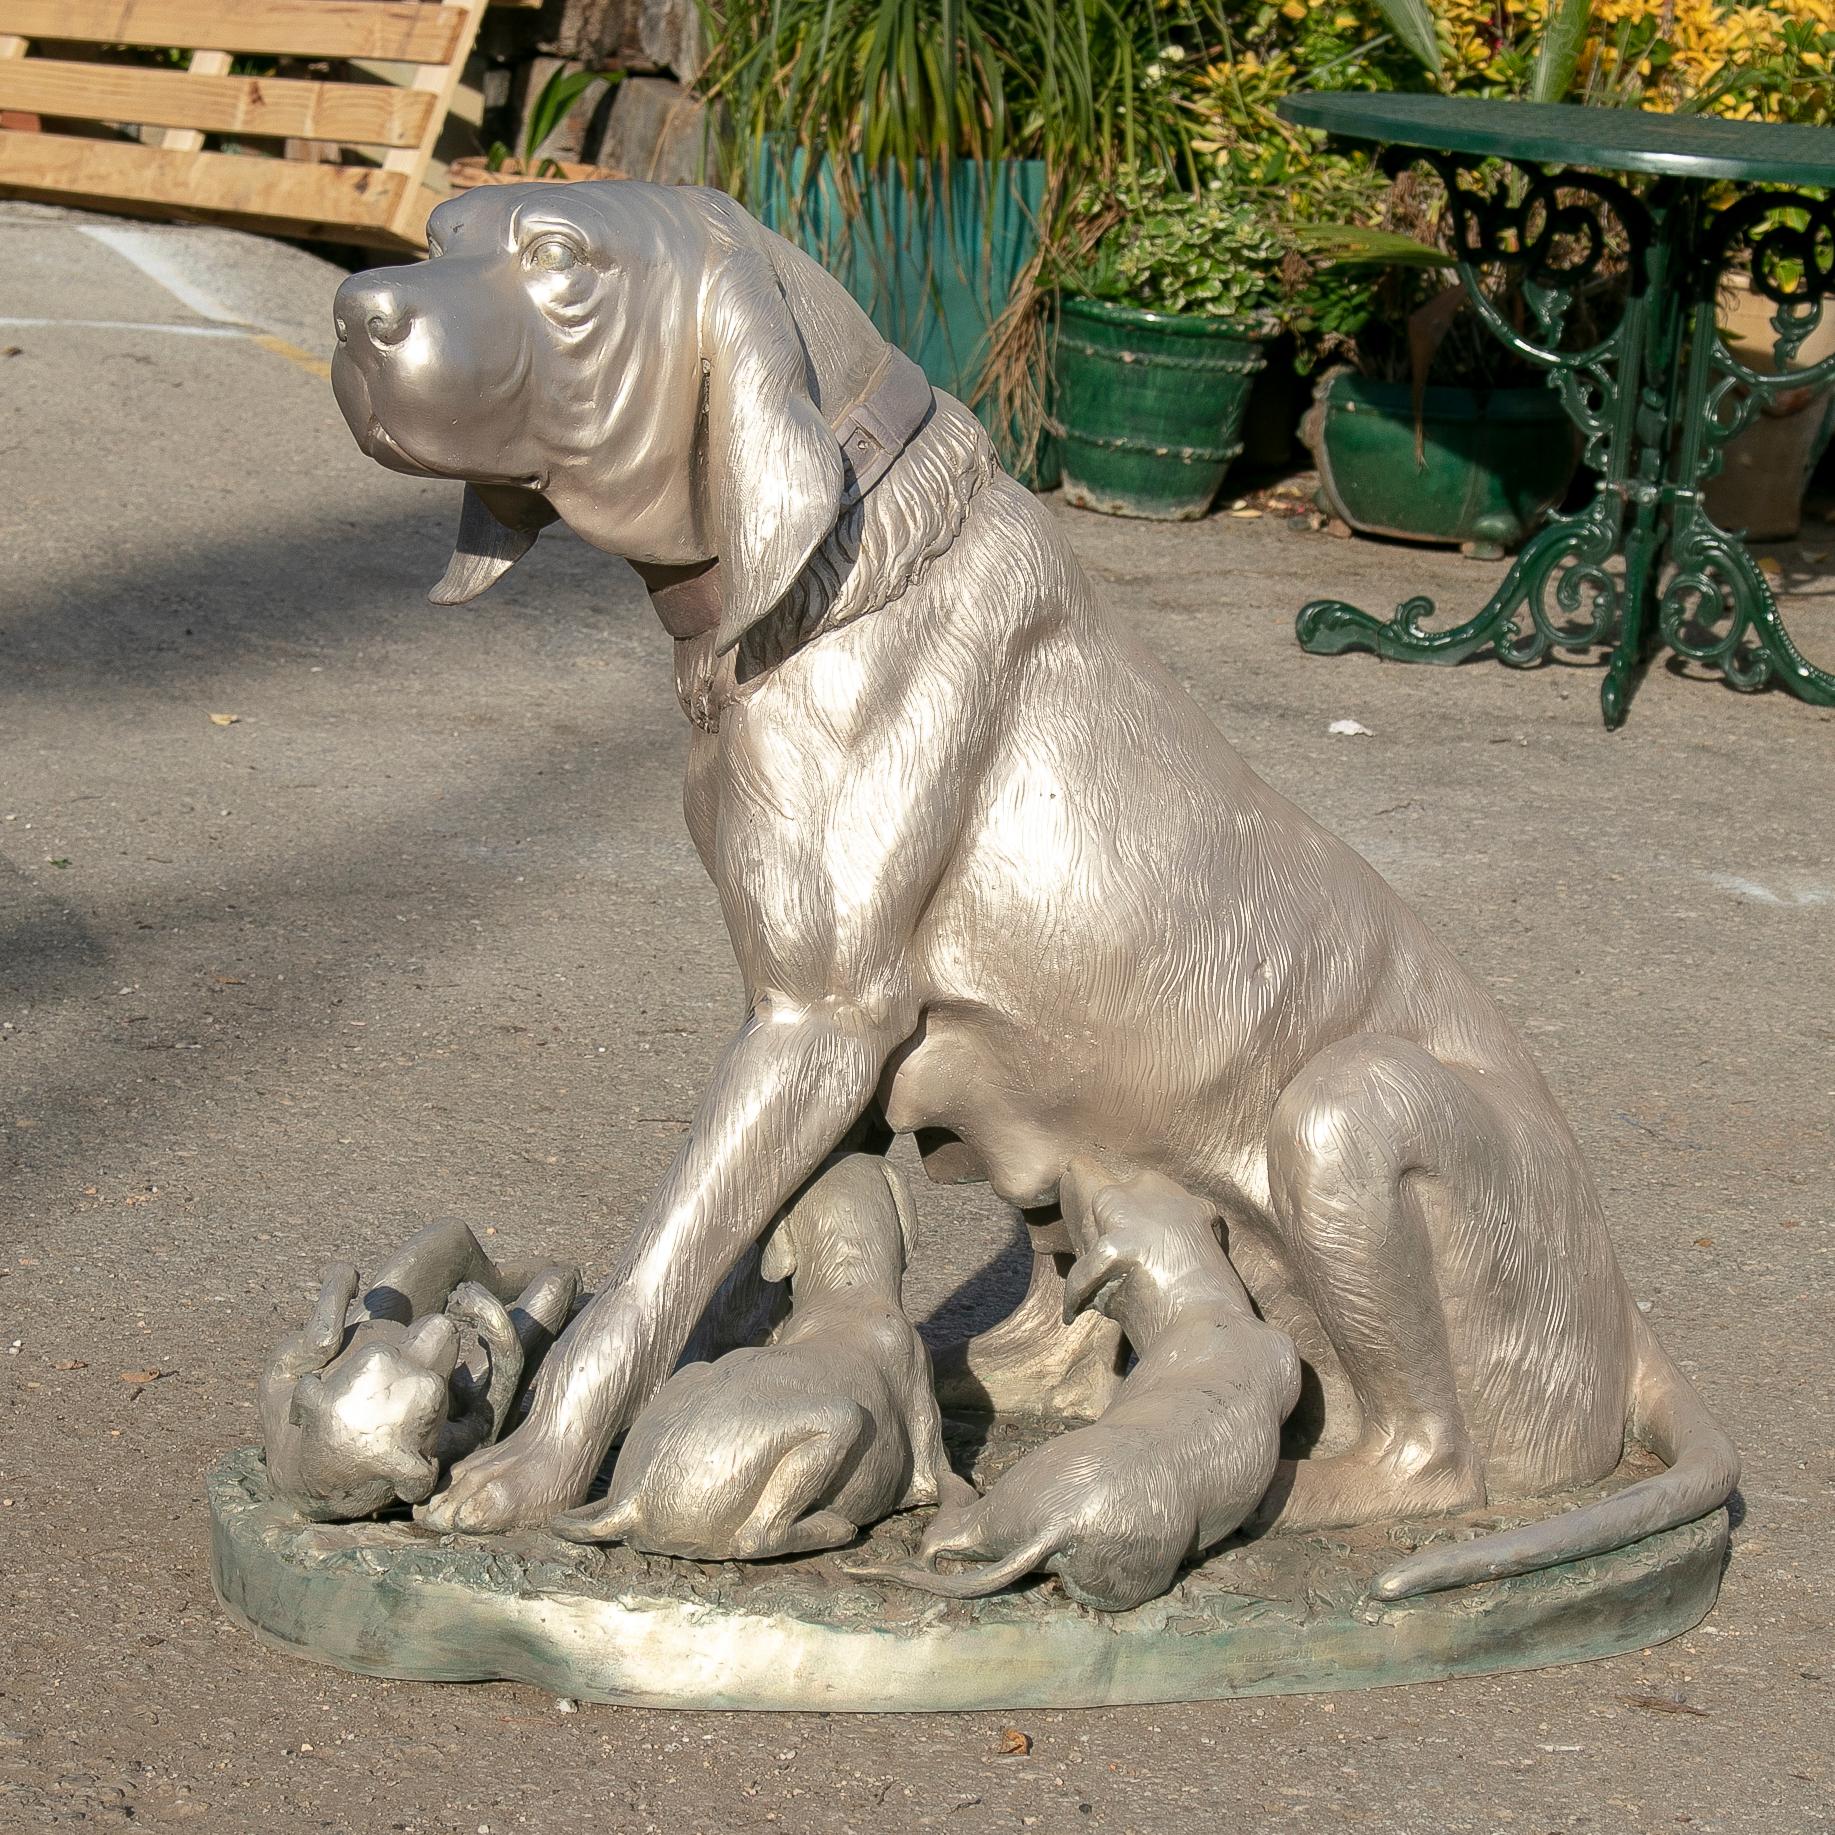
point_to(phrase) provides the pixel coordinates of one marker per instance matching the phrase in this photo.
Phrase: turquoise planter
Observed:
(932, 265)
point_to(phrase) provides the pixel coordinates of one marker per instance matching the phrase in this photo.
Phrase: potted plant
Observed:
(931, 153)
(1765, 468)
(1418, 429)
(1431, 432)
(546, 113)
(1159, 336)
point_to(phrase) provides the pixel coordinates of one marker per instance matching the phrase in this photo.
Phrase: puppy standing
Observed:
(1178, 1459)
(797, 1444)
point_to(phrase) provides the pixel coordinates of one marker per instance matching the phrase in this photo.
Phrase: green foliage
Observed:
(546, 113)
(902, 84)
(1412, 22)
(1558, 49)
(1178, 251)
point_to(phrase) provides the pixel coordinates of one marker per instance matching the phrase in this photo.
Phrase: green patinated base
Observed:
(1282, 1615)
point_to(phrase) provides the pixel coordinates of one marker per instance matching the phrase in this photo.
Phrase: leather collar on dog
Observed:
(883, 423)
(872, 434)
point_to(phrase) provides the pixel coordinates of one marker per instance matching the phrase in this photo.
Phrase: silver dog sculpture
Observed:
(1178, 1460)
(989, 871)
(359, 1416)
(800, 1443)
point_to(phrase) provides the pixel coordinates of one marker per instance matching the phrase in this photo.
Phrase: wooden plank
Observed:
(125, 169)
(358, 114)
(367, 235)
(13, 46)
(406, 29)
(442, 84)
(185, 139)
(467, 103)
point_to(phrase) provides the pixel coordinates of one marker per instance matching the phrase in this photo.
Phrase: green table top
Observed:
(1566, 134)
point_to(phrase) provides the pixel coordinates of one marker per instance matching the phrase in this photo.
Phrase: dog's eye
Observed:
(555, 253)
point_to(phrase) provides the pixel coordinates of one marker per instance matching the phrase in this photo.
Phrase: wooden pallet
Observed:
(88, 150)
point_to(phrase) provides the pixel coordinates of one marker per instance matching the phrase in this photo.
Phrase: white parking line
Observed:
(142, 248)
(178, 331)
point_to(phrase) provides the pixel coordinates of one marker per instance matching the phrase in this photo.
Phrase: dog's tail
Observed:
(972, 1582)
(600, 1522)
(1668, 1417)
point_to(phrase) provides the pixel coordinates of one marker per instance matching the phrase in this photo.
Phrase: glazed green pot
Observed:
(1491, 464)
(1149, 406)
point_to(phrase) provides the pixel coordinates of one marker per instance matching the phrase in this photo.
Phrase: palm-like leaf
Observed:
(557, 96)
(1563, 42)
(1352, 242)
(1413, 25)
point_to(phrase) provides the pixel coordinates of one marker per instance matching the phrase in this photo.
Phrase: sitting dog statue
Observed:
(797, 1444)
(990, 872)
(1177, 1460)
(357, 1417)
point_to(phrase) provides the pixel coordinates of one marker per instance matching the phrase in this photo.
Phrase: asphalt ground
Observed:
(419, 932)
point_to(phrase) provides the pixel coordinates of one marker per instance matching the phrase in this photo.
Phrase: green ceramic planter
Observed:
(1492, 462)
(1150, 406)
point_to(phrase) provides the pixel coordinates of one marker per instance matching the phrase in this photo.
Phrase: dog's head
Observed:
(619, 355)
(352, 1427)
(852, 1226)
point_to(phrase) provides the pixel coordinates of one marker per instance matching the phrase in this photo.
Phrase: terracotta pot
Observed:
(1759, 488)
(464, 174)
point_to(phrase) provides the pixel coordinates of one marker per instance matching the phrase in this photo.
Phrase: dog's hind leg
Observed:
(1377, 1154)
(786, 1519)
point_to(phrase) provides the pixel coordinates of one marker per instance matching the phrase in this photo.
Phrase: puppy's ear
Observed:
(498, 524)
(778, 1263)
(907, 1211)
(774, 466)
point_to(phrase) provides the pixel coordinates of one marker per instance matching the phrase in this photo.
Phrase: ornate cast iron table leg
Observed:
(1655, 400)
(1716, 607)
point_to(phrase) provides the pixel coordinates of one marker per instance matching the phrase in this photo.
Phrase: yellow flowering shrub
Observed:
(1752, 62)
(1774, 61)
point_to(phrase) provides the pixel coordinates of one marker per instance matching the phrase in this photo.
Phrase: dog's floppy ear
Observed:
(907, 1212)
(498, 524)
(778, 1262)
(774, 465)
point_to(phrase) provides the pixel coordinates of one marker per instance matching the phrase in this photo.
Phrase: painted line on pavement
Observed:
(178, 331)
(141, 248)
(313, 366)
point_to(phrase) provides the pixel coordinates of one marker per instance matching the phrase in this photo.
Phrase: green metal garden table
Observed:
(1656, 399)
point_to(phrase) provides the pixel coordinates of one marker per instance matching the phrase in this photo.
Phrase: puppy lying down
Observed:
(1181, 1456)
(362, 1412)
(799, 1443)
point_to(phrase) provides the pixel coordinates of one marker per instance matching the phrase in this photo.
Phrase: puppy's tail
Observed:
(597, 1522)
(1668, 1417)
(972, 1582)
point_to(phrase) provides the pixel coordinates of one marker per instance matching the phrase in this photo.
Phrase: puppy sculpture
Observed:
(360, 1416)
(1178, 1460)
(797, 1444)
(991, 874)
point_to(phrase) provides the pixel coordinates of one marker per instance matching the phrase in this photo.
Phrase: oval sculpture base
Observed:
(1280, 1615)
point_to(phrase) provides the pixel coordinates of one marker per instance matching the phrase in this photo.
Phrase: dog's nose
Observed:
(372, 308)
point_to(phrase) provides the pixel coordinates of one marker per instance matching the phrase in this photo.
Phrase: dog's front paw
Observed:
(527, 1480)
